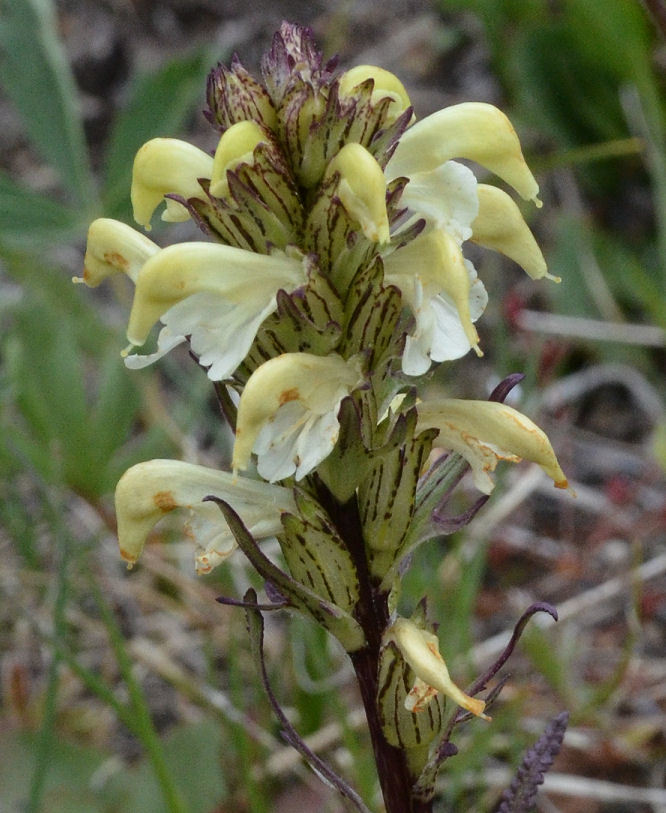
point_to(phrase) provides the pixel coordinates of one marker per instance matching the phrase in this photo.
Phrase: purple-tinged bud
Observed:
(234, 95)
(294, 59)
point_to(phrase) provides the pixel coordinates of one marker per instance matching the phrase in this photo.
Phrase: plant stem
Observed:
(373, 615)
(390, 761)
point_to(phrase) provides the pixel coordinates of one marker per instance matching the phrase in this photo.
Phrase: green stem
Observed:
(617, 148)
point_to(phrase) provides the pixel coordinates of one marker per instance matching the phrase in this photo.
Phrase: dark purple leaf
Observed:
(255, 625)
(236, 602)
(538, 607)
(449, 525)
(505, 386)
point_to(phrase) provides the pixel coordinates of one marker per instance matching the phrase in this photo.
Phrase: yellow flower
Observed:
(288, 413)
(362, 190)
(472, 130)
(234, 148)
(444, 294)
(150, 490)
(216, 295)
(438, 285)
(114, 248)
(167, 166)
(385, 86)
(499, 225)
(420, 649)
(485, 432)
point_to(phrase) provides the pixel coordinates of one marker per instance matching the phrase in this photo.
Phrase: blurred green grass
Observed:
(580, 81)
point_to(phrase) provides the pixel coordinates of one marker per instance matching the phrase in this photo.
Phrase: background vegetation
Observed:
(134, 691)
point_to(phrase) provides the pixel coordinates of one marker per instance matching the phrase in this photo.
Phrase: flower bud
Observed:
(236, 147)
(362, 190)
(234, 95)
(385, 85)
(167, 166)
(473, 130)
(499, 225)
(300, 127)
(113, 247)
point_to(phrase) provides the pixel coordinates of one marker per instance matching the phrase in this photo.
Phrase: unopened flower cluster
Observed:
(329, 279)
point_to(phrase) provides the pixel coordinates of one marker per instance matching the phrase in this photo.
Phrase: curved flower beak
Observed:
(431, 271)
(473, 130)
(112, 248)
(420, 649)
(166, 166)
(148, 491)
(287, 413)
(235, 147)
(386, 85)
(485, 432)
(362, 190)
(218, 295)
(499, 225)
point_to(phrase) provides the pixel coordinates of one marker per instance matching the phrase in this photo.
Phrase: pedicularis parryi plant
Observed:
(331, 279)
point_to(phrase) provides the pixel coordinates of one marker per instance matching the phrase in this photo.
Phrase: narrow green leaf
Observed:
(116, 406)
(37, 78)
(159, 106)
(31, 220)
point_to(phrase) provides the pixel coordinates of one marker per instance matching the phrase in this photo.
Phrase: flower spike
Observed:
(331, 276)
(473, 130)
